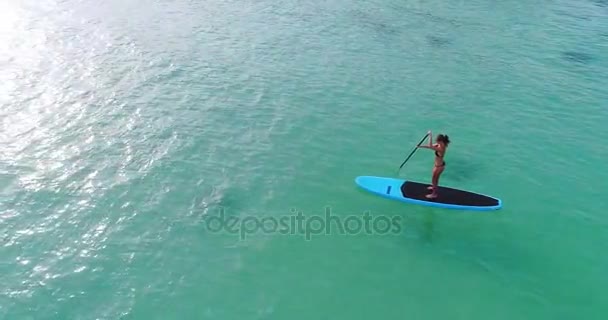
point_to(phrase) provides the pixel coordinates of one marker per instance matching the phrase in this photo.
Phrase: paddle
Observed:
(413, 151)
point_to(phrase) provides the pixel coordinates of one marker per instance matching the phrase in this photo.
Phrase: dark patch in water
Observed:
(429, 227)
(573, 15)
(601, 3)
(438, 41)
(383, 28)
(576, 56)
(440, 19)
(375, 23)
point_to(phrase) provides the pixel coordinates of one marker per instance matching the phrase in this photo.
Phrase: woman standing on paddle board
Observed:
(440, 148)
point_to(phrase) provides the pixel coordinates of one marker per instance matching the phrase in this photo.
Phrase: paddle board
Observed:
(415, 192)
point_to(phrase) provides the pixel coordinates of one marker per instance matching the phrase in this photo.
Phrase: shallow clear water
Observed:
(126, 126)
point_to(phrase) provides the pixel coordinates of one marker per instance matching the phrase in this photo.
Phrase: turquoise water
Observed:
(129, 126)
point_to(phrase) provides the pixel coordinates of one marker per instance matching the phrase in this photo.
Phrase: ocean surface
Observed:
(196, 159)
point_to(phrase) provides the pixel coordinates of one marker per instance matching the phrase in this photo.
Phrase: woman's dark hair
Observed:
(444, 138)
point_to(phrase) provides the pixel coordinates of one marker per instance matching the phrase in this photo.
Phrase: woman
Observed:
(440, 148)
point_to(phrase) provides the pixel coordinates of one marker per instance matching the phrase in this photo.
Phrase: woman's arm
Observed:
(430, 146)
(433, 147)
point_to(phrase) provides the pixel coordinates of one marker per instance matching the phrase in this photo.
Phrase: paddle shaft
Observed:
(413, 151)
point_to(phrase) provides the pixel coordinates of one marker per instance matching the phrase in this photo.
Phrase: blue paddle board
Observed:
(415, 193)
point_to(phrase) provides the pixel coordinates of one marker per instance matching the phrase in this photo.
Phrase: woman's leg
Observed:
(435, 181)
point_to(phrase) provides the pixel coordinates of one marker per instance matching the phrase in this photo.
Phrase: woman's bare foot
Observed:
(429, 188)
(431, 196)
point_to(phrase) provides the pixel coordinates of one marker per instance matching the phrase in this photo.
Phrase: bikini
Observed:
(443, 164)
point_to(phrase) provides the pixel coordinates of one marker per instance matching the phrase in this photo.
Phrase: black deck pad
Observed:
(418, 191)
